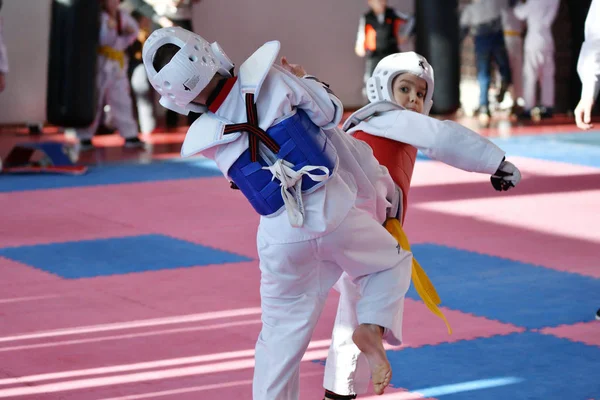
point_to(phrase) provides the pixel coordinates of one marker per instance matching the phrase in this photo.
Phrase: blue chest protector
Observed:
(301, 143)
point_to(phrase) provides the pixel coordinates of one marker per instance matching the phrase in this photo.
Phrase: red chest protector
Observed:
(398, 158)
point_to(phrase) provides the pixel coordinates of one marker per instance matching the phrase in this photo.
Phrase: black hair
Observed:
(164, 55)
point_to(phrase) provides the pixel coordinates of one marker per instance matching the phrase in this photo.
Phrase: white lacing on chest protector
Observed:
(291, 183)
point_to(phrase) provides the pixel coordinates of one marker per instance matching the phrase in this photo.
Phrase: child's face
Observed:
(378, 6)
(409, 91)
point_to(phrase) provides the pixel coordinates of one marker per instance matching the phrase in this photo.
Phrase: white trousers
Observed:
(514, 47)
(347, 371)
(143, 94)
(113, 89)
(538, 67)
(295, 281)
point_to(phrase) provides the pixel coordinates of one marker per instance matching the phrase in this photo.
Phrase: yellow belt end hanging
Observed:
(427, 292)
(423, 285)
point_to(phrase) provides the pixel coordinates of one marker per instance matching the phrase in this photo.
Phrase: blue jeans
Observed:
(490, 47)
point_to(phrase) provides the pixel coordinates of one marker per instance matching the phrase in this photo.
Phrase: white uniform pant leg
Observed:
(103, 80)
(143, 97)
(514, 47)
(531, 74)
(547, 79)
(346, 370)
(378, 266)
(294, 286)
(118, 96)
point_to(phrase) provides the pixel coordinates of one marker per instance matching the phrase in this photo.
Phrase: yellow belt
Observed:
(113, 54)
(423, 285)
(512, 33)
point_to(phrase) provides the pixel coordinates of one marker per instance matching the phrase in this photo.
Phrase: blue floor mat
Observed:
(113, 174)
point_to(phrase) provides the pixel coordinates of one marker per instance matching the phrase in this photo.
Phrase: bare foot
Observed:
(368, 338)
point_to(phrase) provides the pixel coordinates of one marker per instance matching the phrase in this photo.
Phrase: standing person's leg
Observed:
(119, 98)
(86, 134)
(142, 93)
(531, 69)
(294, 286)
(547, 83)
(514, 47)
(500, 55)
(105, 125)
(483, 59)
(578, 11)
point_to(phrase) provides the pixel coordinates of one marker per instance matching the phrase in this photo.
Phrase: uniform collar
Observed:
(220, 94)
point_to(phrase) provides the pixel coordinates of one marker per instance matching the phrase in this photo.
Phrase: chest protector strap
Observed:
(285, 161)
(293, 158)
(255, 133)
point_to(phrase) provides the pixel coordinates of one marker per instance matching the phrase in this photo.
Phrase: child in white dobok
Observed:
(276, 137)
(396, 125)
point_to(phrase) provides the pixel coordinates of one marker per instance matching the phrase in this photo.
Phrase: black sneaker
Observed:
(516, 110)
(526, 114)
(85, 145)
(105, 130)
(546, 112)
(133, 143)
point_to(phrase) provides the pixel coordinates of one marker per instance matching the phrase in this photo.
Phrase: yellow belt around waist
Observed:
(112, 54)
(512, 33)
(423, 285)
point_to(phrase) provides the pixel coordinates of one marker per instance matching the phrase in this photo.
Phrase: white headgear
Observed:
(379, 86)
(189, 71)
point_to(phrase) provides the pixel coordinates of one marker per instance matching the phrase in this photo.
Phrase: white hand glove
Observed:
(507, 176)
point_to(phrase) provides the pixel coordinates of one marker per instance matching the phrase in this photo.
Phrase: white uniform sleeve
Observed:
(360, 35)
(315, 98)
(356, 157)
(445, 141)
(3, 53)
(588, 65)
(129, 22)
(408, 25)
